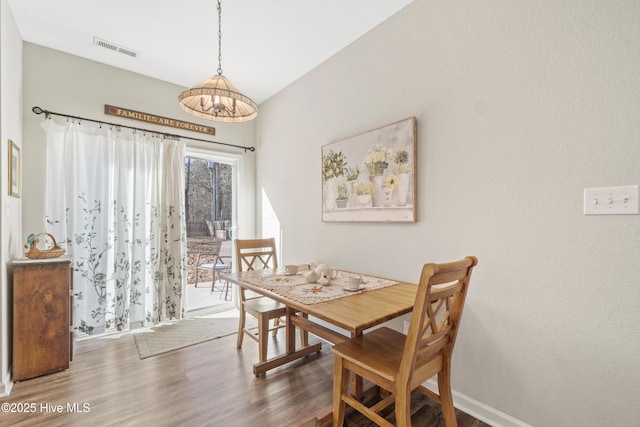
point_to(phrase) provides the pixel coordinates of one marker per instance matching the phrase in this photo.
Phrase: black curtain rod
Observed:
(47, 113)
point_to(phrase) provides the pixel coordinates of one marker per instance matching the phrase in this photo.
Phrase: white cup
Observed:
(291, 268)
(353, 283)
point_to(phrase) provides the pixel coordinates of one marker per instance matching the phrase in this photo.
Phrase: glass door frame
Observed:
(237, 164)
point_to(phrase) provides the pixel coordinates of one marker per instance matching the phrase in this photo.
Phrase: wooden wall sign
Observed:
(151, 118)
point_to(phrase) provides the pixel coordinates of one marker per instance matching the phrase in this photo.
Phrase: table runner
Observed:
(296, 287)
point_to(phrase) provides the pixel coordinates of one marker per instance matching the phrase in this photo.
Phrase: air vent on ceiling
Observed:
(112, 46)
(127, 52)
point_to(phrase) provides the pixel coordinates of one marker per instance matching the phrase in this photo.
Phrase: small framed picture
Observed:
(15, 183)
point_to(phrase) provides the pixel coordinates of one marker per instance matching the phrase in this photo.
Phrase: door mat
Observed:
(184, 333)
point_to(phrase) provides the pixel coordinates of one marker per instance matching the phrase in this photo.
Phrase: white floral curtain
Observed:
(117, 198)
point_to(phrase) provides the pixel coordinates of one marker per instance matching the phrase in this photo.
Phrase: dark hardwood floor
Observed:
(209, 384)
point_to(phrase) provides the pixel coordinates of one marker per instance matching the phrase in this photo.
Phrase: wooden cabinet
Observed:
(41, 317)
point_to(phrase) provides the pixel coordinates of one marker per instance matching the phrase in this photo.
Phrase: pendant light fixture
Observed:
(217, 98)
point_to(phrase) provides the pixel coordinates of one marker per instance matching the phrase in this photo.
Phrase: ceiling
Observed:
(266, 44)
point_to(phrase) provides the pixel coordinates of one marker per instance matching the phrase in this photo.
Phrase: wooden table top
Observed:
(355, 313)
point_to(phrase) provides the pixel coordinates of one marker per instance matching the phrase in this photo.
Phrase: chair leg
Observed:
(241, 323)
(446, 398)
(403, 408)
(276, 322)
(225, 289)
(196, 285)
(340, 384)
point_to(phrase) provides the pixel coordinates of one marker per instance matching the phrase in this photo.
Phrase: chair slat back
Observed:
(256, 254)
(436, 314)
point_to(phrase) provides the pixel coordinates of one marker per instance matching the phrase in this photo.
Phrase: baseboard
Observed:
(478, 409)
(6, 385)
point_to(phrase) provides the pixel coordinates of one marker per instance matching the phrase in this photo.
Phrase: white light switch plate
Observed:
(612, 200)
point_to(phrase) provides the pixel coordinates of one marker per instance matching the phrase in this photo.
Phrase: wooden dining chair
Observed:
(401, 363)
(256, 254)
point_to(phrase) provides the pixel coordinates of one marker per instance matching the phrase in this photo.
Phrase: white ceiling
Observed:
(266, 44)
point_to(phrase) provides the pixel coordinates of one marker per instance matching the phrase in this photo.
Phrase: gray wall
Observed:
(519, 106)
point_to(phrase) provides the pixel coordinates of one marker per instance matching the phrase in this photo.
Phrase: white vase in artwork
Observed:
(364, 200)
(388, 192)
(351, 194)
(378, 196)
(330, 194)
(403, 188)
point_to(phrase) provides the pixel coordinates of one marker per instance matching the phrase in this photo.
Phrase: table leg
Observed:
(291, 331)
(291, 353)
(304, 334)
(357, 383)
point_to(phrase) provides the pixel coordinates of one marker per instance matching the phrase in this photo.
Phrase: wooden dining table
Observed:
(352, 313)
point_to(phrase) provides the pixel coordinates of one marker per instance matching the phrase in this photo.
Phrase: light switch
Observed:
(612, 200)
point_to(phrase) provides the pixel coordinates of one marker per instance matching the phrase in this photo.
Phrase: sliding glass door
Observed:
(210, 200)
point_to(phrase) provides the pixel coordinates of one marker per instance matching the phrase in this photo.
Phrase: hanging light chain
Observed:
(216, 98)
(219, 38)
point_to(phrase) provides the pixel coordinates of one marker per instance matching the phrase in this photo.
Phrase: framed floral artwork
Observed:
(371, 177)
(14, 169)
